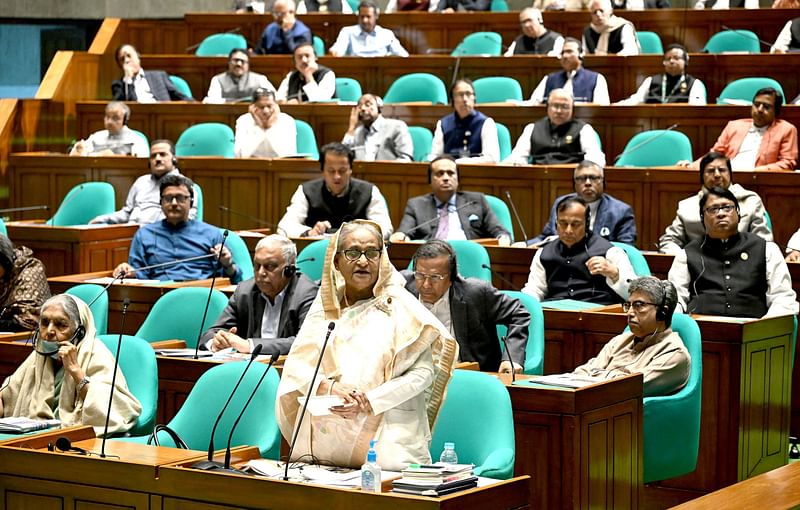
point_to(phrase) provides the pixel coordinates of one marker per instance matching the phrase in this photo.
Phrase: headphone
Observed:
(47, 348)
(174, 161)
(451, 256)
(378, 100)
(578, 42)
(770, 91)
(289, 270)
(537, 15)
(679, 47)
(662, 310)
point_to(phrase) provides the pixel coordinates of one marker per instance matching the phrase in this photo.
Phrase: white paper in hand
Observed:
(320, 405)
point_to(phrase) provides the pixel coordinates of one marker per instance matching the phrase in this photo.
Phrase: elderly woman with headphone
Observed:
(69, 375)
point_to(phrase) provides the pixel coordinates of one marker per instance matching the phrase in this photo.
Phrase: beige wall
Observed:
(99, 9)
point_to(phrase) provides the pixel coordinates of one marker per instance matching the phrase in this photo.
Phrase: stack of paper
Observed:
(435, 479)
(20, 425)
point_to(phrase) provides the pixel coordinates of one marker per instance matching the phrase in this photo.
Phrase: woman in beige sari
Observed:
(388, 358)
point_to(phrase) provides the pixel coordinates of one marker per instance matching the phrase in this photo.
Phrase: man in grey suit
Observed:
(374, 137)
(467, 213)
(136, 85)
(469, 308)
(267, 309)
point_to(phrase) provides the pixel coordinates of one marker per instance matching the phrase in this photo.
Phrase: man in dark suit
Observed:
(468, 215)
(136, 85)
(469, 308)
(267, 309)
(374, 137)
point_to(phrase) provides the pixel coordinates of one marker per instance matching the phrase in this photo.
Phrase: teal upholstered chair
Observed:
(311, 259)
(181, 84)
(477, 417)
(84, 202)
(650, 43)
(348, 89)
(741, 91)
(306, 139)
(206, 139)
(499, 6)
(480, 43)
(659, 147)
(176, 315)
(733, 41)
(143, 137)
(639, 263)
(3, 229)
(220, 45)
(198, 201)
(137, 361)
(496, 89)
(422, 138)
(95, 294)
(534, 350)
(240, 253)
(500, 209)
(767, 220)
(319, 46)
(503, 140)
(672, 423)
(416, 87)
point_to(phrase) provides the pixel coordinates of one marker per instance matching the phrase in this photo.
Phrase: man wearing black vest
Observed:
(323, 204)
(238, 83)
(535, 38)
(789, 38)
(608, 34)
(731, 273)
(671, 86)
(557, 139)
(585, 86)
(579, 265)
(309, 81)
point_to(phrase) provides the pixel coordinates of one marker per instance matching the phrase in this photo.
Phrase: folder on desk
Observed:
(570, 305)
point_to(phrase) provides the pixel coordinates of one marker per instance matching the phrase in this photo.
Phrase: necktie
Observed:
(444, 222)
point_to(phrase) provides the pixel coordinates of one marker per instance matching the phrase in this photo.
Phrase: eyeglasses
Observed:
(637, 306)
(464, 94)
(590, 178)
(353, 254)
(714, 209)
(167, 199)
(421, 277)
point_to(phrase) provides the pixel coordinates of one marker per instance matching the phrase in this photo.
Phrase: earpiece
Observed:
(379, 103)
(661, 309)
(289, 271)
(174, 161)
(80, 332)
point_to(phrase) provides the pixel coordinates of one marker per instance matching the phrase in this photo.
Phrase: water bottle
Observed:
(449, 454)
(371, 471)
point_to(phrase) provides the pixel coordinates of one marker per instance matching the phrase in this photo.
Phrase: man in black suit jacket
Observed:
(134, 84)
(469, 308)
(470, 216)
(269, 308)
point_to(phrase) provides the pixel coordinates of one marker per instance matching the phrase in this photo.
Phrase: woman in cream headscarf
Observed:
(68, 377)
(388, 358)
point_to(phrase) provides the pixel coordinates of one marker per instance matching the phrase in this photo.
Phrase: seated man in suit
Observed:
(586, 86)
(323, 204)
(579, 264)
(468, 215)
(469, 308)
(650, 348)
(136, 85)
(309, 81)
(161, 250)
(116, 138)
(238, 83)
(264, 131)
(731, 273)
(267, 309)
(611, 219)
(671, 86)
(374, 137)
(608, 34)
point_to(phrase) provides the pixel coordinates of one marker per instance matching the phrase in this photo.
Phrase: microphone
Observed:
(210, 291)
(249, 217)
(740, 34)
(210, 463)
(397, 151)
(26, 208)
(331, 326)
(307, 259)
(125, 305)
(227, 466)
(193, 47)
(65, 203)
(105, 288)
(436, 218)
(645, 142)
(503, 278)
(508, 354)
(516, 215)
(173, 262)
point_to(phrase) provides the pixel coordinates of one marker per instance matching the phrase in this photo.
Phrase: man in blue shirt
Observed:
(284, 34)
(176, 238)
(367, 39)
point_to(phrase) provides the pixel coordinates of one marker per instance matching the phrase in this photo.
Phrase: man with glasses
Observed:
(650, 348)
(731, 273)
(466, 134)
(558, 138)
(586, 86)
(143, 204)
(535, 39)
(671, 86)
(116, 139)
(267, 309)
(238, 83)
(469, 308)
(177, 248)
(610, 218)
(284, 34)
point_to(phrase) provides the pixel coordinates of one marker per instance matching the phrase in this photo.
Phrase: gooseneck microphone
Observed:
(173, 262)
(331, 326)
(105, 288)
(508, 354)
(250, 217)
(436, 218)
(503, 278)
(26, 208)
(125, 304)
(516, 216)
(645, 142)
(210, 463)
(744, 35)
(210, 291)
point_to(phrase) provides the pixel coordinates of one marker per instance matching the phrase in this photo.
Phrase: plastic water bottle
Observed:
(371, 471)
(449, 454)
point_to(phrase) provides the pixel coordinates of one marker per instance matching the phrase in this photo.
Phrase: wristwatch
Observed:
(81, 384)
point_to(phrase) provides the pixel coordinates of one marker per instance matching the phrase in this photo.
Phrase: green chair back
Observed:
(319, 45)
(534, 350)
(3, 229)
(143, 137)
(416, 87)
(206, 139)
(499, 6)
(500, 209)
(311, 259)
(348, 89)
(306, 139)
(659, 147)
(481, 401)
(422, 139)
(733, 41)
(240, 253)
(89, 292)
(137, 361)
(504, 140)
(639, 263)
(354, 5)
(84, 202)
(181, 84)
(220, 45)
(176, 315)
(198, 201)
(496, 89)
(672, 423)
(742, 90)
(650, 43)
(767, 220)
(480, 43)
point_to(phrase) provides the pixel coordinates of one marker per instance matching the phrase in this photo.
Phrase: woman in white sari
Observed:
(388, 358)
(68, 377)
